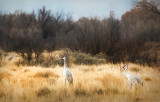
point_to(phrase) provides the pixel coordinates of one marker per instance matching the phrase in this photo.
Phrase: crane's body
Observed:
(10, 58)
(133, 80)
(66, 73)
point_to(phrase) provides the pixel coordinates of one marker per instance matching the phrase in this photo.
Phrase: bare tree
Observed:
(149, 6)
(45, 19)
(82, 32)
(58, 18)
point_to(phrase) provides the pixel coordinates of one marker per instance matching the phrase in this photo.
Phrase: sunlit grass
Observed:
(93, 83)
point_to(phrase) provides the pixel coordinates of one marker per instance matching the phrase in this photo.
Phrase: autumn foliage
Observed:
(134, 38)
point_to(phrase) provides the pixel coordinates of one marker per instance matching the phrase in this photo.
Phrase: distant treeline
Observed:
(135, 38)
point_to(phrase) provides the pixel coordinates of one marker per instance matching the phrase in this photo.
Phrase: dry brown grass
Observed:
(96, 83)
(46, 74)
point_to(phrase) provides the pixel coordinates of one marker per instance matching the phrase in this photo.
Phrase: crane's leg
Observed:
(65, 81)
(142, 84)
(130, 86)
(130, 83)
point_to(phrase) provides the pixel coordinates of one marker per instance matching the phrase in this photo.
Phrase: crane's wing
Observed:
(136, 78)
(69, 77)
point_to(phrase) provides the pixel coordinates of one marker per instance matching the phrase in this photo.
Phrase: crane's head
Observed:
(64, 58)
(125, 67)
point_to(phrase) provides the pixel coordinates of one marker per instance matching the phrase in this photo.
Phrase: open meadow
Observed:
(106, 51)
(91, 83)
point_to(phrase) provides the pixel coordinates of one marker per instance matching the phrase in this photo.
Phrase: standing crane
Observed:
(133, 80)
(66, 73)
(11, 57)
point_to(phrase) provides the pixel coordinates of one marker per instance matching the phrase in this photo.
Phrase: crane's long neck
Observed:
(125, 71)
(64, 64)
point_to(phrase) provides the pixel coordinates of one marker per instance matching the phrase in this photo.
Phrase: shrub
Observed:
(51, 59)
(43, 92)
(83, 58)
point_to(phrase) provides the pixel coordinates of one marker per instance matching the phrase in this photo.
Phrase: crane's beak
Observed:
(121, 68)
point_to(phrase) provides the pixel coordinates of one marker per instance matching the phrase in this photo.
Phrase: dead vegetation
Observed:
(99, 83)
(43, 92)
(46, 74)
(92, 83)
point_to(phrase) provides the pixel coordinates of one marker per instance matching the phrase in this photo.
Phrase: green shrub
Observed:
(83, 58)
(55, 58)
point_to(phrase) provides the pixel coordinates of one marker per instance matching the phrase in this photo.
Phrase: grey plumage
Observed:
(133, 80)
(10, 58)
(66, 73)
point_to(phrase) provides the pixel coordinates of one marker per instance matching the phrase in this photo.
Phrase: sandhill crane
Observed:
(10, 58)
(66, 73)
(133, 80)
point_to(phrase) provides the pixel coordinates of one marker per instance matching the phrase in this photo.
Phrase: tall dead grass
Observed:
(94, 83)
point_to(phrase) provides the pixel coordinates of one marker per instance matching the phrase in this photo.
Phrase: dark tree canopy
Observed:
(128, 39)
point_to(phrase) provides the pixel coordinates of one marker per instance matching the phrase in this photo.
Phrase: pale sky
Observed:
(78, 8)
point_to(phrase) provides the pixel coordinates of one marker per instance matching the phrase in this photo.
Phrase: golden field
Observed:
(91, 83)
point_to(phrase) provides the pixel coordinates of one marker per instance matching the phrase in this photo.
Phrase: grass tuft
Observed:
(147, 79)
(134, 69)
(89, 69)
(80, 92)
(46, 74)
(43, 92)
(4, 75)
